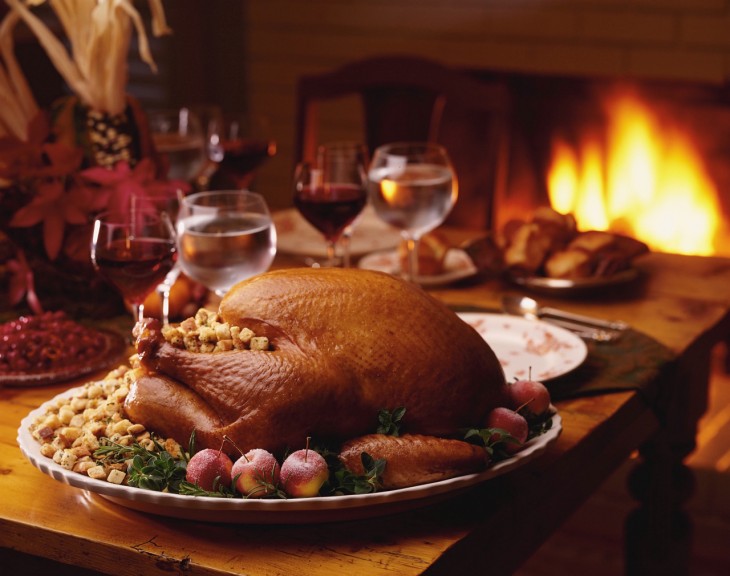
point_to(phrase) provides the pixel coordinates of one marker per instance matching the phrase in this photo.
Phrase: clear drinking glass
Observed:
(332, 192)
(413, 188)
(179, 137)
(134, 251)
(224, 237)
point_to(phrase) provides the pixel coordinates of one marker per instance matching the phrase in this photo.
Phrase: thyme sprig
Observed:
(111, 452)
(220, 490)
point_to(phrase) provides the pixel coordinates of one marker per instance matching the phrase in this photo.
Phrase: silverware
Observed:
(585, 326)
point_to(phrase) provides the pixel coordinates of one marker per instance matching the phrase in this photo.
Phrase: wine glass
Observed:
(332, 192)
(239, 144)
(134, 251)
(178, 135)
(413, 188)
(170, 204)
(224, 237)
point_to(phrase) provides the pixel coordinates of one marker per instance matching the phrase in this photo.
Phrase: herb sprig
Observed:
(494, 440)
(220, 489)
(343, 481)
(154, 470)
(389, 423)
(158, 472)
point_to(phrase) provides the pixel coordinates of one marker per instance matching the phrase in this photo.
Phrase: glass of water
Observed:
(179, 137)
(413, 187)
(224, 237)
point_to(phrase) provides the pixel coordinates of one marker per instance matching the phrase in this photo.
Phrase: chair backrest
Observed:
(413, 98)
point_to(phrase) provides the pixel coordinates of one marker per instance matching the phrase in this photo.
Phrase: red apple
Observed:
(207, 465)
(258, 473)
(303, 473)
(529, 397)
(511, 422)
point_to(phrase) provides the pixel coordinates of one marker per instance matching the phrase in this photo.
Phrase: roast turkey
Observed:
(345, 344)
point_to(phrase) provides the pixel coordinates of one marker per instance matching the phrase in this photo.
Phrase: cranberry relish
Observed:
(45, 342)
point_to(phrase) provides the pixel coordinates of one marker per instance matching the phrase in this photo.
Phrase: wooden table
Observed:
(683, 303)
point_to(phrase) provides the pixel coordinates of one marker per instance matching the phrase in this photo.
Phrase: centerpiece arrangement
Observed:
(90, 152)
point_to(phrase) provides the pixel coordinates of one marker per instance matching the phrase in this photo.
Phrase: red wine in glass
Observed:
(136, 266)
(239, 160)
(330, 209)
(239, 144)
(244, 156)
(331, 192)
(134, 252)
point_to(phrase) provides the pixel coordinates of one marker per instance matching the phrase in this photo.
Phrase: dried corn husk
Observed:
(95, 68)
(17, 103)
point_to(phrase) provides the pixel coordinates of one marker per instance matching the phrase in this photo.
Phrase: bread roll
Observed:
(431, 251)
(594, 254)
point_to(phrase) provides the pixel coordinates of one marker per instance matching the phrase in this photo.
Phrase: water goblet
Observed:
(224, 237)
(332, 192)
(413, 187)
(134, 251)
(178, 135)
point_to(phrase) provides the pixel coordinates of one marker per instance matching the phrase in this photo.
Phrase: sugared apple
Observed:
(511, 422)
(530, 397)
(258, 473)
(207, 465)
(303, 473)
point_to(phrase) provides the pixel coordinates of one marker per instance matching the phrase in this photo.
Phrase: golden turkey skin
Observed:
(345, 344)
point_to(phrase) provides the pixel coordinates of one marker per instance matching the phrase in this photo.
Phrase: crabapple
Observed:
(511, 422)
(257, 473)
(303, 473)
(207, 465)
(529, 397)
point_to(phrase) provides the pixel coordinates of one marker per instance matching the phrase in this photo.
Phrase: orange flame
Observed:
(648, 181)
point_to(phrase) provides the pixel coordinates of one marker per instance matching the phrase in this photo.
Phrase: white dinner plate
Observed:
(275, 511)
(297, 236)
(529, 348)
(457, 266)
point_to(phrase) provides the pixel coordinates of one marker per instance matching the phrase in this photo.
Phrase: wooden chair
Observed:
(413, 98)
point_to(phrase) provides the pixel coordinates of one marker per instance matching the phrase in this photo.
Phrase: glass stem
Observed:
(165, 296)
(412, 260)
(139, 312)
(331, 253)
(345, 241)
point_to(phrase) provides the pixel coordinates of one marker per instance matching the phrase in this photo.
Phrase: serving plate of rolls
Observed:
(547, 253)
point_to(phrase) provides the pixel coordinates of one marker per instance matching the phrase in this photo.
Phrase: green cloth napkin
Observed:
(633, 362)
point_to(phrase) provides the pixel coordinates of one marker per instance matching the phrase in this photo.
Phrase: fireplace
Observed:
(647, 158)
